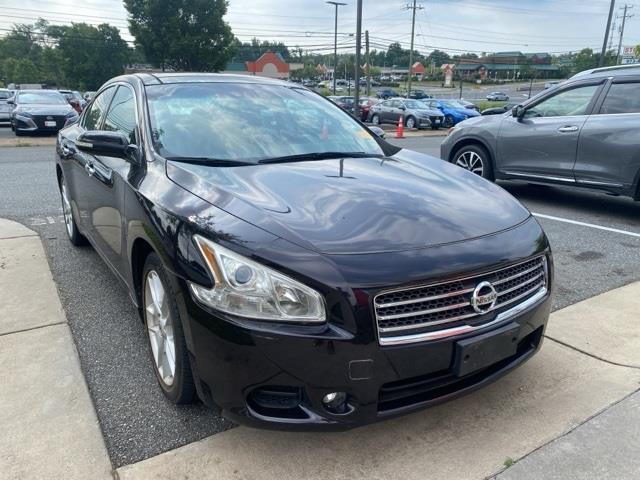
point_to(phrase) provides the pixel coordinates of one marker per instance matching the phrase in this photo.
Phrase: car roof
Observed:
(35, 90)
(610, 71)
(198, 77)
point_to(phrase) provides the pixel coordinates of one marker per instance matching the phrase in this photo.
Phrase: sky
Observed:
(455, 26)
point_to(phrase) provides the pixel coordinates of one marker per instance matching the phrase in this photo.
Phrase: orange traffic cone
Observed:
(400, 129)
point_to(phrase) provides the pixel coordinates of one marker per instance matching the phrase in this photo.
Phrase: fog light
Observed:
(335, 402)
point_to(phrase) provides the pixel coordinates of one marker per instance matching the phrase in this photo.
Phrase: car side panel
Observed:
(608, 153)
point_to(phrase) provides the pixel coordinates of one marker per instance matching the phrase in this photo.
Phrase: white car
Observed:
(5, 108)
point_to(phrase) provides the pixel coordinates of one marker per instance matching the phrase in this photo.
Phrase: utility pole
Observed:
(335, 44)
(413, 29)
(368, 57)
(356, 97)
(624, 20)
(606, 33)
(613, 32)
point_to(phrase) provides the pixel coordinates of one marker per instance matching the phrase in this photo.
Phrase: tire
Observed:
(448, 121)
(165, 333)
(474, 158)
(411, 122)
(435, 127)
(75, 237)
(18, 133)
(375, 119)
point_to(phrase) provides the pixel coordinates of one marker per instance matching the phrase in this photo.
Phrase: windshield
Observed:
(211, 120)
(414, 104)
(451, 104)
(41, 98)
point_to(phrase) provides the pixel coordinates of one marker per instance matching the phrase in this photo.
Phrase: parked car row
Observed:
(39, 111)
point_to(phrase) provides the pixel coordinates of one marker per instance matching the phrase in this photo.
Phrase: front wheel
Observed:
(475, 159)
(411, 123)
(76, 238)
(375, 119)
(449, 121)
(165, 333)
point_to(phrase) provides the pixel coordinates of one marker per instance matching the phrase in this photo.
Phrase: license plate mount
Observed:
(479, 352)
(49, 123)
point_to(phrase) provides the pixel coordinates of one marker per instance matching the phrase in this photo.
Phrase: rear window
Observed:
(5, 95)
(622, 98)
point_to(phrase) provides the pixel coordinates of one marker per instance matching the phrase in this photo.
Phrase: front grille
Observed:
(40, 119)
(446, 305)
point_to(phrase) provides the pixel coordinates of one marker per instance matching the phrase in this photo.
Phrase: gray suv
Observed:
(584, 132)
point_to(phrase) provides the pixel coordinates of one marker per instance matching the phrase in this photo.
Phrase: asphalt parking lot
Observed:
(597, 254)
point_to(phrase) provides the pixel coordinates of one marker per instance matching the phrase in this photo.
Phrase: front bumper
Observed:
(238, 362)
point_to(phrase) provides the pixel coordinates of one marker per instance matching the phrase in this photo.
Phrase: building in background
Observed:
(417, 70)
(509, 66)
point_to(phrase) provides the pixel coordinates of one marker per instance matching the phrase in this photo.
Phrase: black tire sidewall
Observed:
(487, 167)
(449, 121)
(182, 390)
(76, 238)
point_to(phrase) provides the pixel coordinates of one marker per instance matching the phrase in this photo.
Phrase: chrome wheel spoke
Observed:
(160, 328)
(471, 161)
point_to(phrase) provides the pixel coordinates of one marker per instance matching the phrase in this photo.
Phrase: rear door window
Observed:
(622, 98)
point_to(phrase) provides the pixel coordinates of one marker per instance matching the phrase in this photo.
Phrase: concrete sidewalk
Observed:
(48, 424)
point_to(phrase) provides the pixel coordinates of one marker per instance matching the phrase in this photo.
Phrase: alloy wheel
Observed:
(375, 120)
(160, 328)
(411, 122)
(66, 209)
(470, 160)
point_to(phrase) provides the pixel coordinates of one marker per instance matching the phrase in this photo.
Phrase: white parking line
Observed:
(590, 225)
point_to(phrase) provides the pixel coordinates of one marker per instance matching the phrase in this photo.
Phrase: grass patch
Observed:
(508, 462)
(484, 105)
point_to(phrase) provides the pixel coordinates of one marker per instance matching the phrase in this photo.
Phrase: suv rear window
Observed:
(622, 98)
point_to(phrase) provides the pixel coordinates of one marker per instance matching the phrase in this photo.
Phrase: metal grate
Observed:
(445, 305)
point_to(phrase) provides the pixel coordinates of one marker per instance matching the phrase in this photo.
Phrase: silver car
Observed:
(414, 113)
(5, 108)
(584, 132)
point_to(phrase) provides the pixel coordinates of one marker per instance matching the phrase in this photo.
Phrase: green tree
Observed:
(438, 57)
(26, 72)
(9, 70)
(182, 34)
(309, 71)
(89, 55)
(637, 50)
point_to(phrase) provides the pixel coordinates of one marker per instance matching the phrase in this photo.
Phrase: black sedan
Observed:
(40, 111)
(292, 269)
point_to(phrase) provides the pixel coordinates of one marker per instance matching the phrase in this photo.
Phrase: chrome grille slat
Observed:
(424, 312)
(425, 299)
(446, 305)
(509, 290)
(513, 277)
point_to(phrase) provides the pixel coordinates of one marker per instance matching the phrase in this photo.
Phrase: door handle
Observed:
(568, 129)
(90, 168)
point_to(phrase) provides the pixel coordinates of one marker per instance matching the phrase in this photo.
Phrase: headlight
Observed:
(248, 289)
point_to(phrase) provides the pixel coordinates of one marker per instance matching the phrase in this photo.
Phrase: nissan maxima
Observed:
(291, 268)
(40, 111)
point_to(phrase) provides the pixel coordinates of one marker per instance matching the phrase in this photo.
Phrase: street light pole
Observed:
(413, 29)
(335, 44)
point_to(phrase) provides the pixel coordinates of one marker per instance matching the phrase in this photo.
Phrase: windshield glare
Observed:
(41, 98)
(210, 120)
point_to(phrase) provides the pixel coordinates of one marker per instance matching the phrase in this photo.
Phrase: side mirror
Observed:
(100, 142)
(518, 112)
(377, 131)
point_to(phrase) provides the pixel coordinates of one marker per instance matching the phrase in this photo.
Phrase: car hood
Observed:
(44, 109)
(357, 205)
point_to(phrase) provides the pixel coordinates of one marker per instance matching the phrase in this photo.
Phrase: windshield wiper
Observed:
(211, 162)
(303, 157)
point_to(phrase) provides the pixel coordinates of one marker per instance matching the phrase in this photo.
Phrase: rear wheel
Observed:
(475, 159)
(169, 353)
